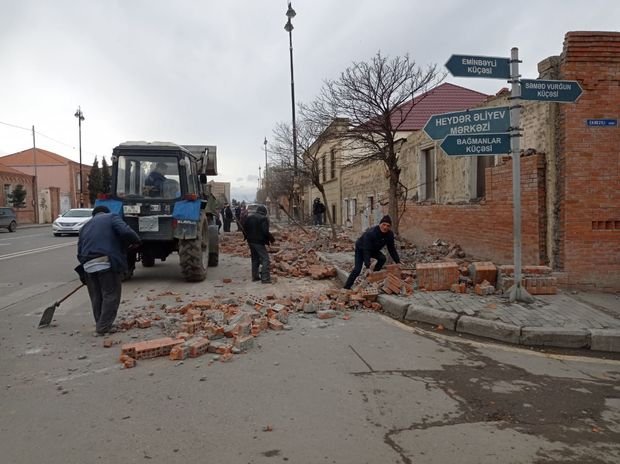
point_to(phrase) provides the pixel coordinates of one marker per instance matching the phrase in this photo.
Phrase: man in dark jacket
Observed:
(227, 217)
(103, 257)
(318, 210)
(257, 234)
(369, 245)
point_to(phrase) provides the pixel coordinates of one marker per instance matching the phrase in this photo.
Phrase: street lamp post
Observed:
(265, 142)
(80, 116)
(288, 27)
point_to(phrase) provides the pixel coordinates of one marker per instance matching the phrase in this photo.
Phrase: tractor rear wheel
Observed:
(194, 253)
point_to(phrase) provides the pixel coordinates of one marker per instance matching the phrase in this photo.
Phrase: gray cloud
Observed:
(218, 72)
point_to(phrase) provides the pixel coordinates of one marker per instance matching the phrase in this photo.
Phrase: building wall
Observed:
(25, 215)
(589, 162)
(484, 229)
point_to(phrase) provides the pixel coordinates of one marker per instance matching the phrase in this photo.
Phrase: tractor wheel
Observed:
(193, 255)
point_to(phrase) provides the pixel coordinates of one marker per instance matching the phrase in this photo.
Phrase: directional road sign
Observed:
(476, 145)
(479, 66)
(485, 120)
(552, 91)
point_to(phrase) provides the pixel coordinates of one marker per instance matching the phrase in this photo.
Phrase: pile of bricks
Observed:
(537, 280)
(209, 327)
(295, 254)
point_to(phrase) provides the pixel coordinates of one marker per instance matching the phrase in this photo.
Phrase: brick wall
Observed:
(485, 229)
(589, 161)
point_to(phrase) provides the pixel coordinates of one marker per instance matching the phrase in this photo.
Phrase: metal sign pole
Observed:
(517, 292)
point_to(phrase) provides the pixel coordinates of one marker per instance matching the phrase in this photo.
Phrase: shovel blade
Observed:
(48, 315)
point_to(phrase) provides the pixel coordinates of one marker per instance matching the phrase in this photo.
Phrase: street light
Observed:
(288, 27)
(265, 142)
(80, 116)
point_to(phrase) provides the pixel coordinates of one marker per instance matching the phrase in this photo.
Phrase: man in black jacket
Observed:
(256, 228)
(369, 245)
(103, 259)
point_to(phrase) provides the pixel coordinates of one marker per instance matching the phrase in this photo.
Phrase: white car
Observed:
(72, 221)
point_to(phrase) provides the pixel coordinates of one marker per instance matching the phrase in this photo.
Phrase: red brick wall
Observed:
(485, 229)
(589, 161)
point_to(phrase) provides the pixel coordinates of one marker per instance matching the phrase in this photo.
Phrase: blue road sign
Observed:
(479, 66)
(602, 122)
(552, 91)
(476, 145)
(485, 120)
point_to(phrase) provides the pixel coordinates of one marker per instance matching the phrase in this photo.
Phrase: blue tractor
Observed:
(160, 190)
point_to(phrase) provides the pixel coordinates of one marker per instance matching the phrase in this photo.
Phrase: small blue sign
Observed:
(551, 91)
(486, 120)
(479, 66)
(602, 122)
(476, 145)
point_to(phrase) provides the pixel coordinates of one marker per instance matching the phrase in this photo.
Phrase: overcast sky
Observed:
(218, 71)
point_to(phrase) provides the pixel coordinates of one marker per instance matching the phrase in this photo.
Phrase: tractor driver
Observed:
(156, 179)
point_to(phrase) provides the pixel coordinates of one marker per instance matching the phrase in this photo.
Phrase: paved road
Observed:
(364, 390)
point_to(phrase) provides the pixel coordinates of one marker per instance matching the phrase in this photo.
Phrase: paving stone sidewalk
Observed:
(565, 320)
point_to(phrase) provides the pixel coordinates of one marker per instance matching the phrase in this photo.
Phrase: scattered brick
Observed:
(437, 276)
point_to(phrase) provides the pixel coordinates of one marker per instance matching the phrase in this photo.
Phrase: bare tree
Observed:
(312, 137)
(377, 97)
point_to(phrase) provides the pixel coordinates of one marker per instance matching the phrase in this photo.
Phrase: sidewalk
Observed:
(589, 320)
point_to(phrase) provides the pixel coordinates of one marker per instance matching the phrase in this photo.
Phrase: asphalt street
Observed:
(369, 389)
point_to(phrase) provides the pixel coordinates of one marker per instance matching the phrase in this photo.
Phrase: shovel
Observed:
(48, 314)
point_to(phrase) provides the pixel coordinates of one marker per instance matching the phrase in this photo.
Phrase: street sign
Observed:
(551, 91)
(476, 145)
(485, 120)
(602, 122)
(479, 66)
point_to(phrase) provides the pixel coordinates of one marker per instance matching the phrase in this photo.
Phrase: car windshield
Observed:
(78, 213)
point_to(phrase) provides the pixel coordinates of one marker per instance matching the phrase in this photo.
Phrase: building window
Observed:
(428, 173)
(324, 167)
(332, 163)
(7, 192)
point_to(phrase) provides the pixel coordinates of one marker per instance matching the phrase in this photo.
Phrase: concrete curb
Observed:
(394, 306)
(605, 340)
(555, 336)
(496, 330)
(419, 313)
(400, 308)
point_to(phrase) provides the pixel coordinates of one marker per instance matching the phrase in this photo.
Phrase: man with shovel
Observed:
(103, 259)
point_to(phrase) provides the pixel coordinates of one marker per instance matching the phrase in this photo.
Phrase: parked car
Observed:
(8, 219)
(252, 207)
(72, 221)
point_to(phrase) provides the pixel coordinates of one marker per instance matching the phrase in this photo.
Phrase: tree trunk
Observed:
(328, 213)
(393, 197)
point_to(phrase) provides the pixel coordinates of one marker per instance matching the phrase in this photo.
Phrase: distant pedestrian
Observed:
(227, 217)
(103, 259)
(257, 234)
(369, 246)
(318, 210)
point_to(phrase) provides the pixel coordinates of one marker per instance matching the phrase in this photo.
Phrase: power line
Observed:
(16, 126)
(44, 135)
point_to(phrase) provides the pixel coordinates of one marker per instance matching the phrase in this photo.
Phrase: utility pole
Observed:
(35, 195)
